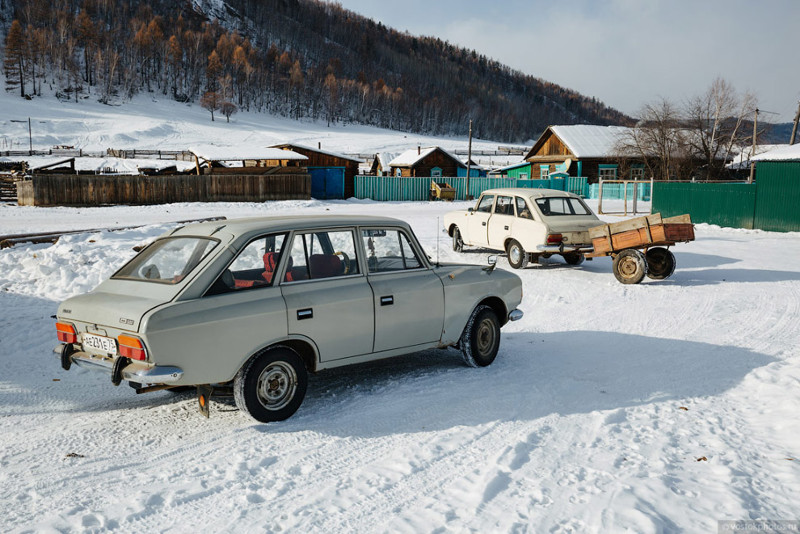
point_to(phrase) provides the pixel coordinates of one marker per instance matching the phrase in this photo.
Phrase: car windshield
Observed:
(562, 206)
(167, 260)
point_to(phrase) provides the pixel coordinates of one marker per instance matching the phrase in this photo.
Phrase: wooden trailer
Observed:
(442, 191)
(638, 245)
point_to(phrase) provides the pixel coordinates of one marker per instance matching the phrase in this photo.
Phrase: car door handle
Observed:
(387, 301)
(483, 223)
(505, 227)
(308, 313)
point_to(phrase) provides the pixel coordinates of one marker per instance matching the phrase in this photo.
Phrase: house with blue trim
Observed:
(583, 150)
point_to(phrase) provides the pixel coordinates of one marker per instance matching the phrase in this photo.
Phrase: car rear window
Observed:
(168, 260)
(562, 206)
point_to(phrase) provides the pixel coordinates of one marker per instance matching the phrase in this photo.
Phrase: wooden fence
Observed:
(96, 190)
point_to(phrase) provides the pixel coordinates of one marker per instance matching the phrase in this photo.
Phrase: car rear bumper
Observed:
(133, 372)
(562, 248)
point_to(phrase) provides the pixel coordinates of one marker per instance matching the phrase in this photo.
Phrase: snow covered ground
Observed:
(661, 407)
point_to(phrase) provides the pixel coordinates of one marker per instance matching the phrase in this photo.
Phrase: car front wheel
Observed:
(517, 257)
(271, 385)
(481, 338)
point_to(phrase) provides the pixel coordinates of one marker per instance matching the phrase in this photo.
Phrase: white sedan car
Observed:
(525, 223)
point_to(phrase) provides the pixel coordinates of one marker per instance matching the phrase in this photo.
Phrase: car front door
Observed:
(501, 223)
(478, 219)
(409, 296)
(328, 299)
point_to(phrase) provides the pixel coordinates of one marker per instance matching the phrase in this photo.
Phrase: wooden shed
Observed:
(222, 160)
(581, 150)
(431, 161)
(324, 161)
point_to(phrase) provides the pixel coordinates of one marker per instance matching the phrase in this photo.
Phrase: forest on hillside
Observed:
(295, 58)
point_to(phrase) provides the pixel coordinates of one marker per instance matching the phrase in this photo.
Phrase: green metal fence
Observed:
(778, 199)
(393, 188)
(723, 204)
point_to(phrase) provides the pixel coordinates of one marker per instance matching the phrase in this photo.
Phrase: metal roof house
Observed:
(332, 174)
(580, 150)
(430, 161)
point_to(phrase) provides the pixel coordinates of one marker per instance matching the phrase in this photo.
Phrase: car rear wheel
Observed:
(271, 385)
(481, 338)
(630, 266)
(517, 257)
(458, 242)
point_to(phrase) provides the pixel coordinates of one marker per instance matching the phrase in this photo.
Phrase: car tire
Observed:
(660, 263)
(630, 266)
(480, 340)
(271, 385)
(573, 258)
(458, 242)
(517, 257)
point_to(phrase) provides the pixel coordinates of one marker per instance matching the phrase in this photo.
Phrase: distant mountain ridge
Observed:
(297, 58)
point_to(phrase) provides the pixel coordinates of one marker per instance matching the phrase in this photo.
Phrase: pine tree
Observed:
(14, 62)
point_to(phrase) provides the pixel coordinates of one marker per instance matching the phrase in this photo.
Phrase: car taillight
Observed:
(131, 347)
(554, 239)
(66, 333)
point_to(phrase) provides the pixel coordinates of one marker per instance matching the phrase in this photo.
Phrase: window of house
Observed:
(389, 250)
(436, 172)
(523, 176)
(607, 172)
(544, 171)
(637, 173)
(398, 172)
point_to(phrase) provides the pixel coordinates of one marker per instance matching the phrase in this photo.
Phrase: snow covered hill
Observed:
(661, 407)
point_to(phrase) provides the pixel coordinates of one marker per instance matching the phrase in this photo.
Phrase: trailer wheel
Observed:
(660, 263)
(630, 266)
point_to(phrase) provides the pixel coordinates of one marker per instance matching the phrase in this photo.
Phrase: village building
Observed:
(225, 160)
(332, 174)
(581, 150)
(431, 161)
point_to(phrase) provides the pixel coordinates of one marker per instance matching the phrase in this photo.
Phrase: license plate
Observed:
(99, 344)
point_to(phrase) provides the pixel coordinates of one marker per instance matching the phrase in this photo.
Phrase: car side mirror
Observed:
(491, 260)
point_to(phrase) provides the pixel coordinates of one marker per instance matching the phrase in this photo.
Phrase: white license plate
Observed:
(99, 344)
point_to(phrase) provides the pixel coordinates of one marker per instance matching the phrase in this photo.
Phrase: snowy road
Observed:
(660, 407)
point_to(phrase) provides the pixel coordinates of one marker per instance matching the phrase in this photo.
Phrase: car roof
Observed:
(529, 192)
(282, 223)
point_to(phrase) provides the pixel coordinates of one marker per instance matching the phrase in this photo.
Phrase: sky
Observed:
(625, 53)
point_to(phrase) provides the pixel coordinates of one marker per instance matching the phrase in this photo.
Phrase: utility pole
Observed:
(753, 151)
(469, 159)
(794, 128)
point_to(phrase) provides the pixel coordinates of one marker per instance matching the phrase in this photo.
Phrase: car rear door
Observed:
(501, 222)
(408, 295)
(328, 299)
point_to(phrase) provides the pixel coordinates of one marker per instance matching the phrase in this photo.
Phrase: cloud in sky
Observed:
(623, 52)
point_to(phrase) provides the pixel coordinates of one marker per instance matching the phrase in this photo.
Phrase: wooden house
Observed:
(431, 161)
(323, 161)
(581, 150)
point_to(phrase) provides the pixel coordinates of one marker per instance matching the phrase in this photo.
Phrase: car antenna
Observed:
(437, 242)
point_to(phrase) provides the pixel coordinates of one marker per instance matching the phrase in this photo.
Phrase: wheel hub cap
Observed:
(515, 254)
(277, 385)
(486, 336)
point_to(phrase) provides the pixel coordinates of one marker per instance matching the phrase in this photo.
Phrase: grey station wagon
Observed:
(254, 305)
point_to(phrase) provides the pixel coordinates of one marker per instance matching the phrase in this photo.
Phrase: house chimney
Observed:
(419, 150)
(319, 145)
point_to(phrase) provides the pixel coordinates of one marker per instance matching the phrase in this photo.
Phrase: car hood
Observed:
(111, 310)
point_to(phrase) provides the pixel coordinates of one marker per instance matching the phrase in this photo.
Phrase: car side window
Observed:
(485, 204)
(389, 250)
(522, 209)
(254, 266)
(322, 254)
(504, 206)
